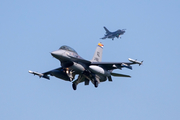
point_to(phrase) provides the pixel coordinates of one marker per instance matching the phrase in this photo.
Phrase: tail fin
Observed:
(98, 53)
(107, 31)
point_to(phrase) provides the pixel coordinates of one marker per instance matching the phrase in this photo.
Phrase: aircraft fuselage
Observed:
(66, 62)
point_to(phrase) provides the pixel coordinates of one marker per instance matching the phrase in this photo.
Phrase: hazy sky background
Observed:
(30, 30)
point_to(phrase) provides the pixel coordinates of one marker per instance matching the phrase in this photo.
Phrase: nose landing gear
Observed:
(70, 75)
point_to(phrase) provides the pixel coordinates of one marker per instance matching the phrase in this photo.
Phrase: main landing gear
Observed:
(95, 83)
(70, 75)
(74, 86)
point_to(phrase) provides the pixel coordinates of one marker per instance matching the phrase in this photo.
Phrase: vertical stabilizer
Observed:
(107, 31)
(98, 53)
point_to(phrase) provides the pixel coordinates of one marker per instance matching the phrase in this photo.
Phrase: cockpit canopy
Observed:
(64, 47)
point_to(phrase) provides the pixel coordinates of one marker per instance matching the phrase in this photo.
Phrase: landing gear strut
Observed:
(74, 86)
(95, 83)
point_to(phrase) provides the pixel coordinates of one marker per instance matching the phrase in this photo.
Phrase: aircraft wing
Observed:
(104, 37)
(114, 65)
(109, 65)
(45, 74)
(80, 60)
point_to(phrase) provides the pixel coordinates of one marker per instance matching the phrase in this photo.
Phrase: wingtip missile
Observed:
(35, 73)
(39, 74)
(30, 71)
(141, 63)
(135, 61)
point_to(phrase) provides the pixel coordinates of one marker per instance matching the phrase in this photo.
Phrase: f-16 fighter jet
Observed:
(113, 34)
(94, 70)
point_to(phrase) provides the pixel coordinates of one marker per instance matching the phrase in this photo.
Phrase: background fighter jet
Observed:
(95, 70)
(113, 34)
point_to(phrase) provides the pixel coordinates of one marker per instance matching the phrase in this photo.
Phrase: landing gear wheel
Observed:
(74, 86)
(96, 83)
(70, 79)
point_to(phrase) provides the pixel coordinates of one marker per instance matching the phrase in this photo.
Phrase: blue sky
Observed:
(30, 30)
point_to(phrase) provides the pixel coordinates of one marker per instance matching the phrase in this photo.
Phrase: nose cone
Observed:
(54, 53)
(57, 54)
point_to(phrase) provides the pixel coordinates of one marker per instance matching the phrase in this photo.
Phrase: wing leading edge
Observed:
(115, 65)
(45, 74)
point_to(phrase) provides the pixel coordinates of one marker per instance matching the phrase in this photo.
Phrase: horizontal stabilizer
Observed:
(119, 75)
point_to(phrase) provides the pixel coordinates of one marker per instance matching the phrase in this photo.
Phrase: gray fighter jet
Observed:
(94, 70)
(113, 34)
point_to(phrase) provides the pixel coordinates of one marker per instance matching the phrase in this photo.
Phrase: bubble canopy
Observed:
(65, 47)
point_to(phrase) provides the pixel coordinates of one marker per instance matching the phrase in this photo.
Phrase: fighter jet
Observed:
(87, 70)
(113, 34)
